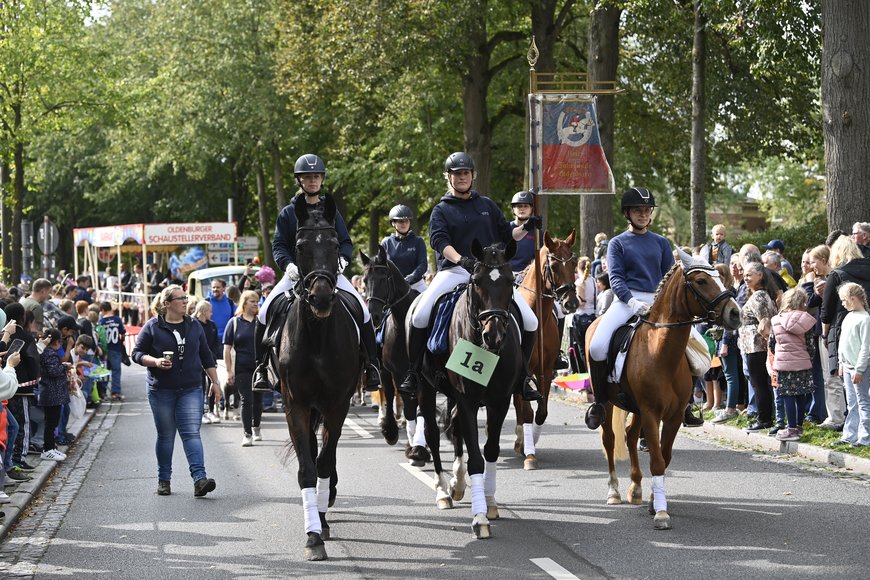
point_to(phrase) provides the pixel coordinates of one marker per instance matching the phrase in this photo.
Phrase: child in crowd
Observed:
(605, 294)
(53, 391)
(853, 354)
(791, 340)
(115, 331)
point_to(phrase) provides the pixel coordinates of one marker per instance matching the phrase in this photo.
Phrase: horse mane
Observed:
(664, 281)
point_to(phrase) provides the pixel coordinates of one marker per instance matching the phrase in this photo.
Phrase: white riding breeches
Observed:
(617, 315)
(444, 282)
(419, 285)
(286, 283)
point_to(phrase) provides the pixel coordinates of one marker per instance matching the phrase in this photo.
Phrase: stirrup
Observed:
(261, 382)
(595, 415)
(409, 386)
(561, 362)
(530, 392)
(373, 378)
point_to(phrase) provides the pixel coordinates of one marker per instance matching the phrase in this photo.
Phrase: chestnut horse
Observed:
(318, 366)
(656, 381)
(557, 264)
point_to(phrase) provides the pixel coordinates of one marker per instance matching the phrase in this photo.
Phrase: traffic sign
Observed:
(47, 238)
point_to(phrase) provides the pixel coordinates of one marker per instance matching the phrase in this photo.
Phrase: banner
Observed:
(566, 152)
(188, 234)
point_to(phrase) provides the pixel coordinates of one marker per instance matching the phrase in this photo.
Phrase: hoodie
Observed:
(192, 353)
(790, 333)
(457, 222)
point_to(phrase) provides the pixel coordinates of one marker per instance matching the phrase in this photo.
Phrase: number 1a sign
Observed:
(472, 362)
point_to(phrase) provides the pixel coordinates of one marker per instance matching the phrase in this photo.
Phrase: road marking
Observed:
(415, 471)
(679, 546)
(357, 429)
(553, 569)
(752, 511)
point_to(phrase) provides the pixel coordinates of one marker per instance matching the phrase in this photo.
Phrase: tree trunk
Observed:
(6, 217)
(596, 211)
(475, 85)
(697, 163)
(15, 205)
(375, 215)
(278, 176)
(263, 210)
(846, 110)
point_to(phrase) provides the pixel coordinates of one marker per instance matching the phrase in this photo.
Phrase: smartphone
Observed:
(15, 346)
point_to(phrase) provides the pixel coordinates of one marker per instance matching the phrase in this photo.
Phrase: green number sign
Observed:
(472, 362)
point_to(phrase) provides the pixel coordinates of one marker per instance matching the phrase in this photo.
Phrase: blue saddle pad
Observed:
(437, 343)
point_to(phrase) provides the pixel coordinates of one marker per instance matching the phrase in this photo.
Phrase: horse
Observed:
(390, 297)
(557, 264)
(656, 383)
(482, 317)
(317, 375)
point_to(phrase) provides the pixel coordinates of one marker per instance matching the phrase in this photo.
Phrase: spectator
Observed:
(111, 282)
(853, 354)
(53, 391)
(156, 279)
(203, 315)
(38, 303)
(816, 412)
(779, 247)
(115, 333)
(69, 292)
(234, 294)
(752, 340)
(605, 294)
(773, 262)
(174, 385)
(585, 288)
(84, 284)
(27, 373)
(8, 387)
(861, 235)
(221, 306)
(717, 251)
(241, 362)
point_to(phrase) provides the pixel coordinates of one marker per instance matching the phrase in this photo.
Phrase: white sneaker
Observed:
(206, 420)
(257, 435)
(215, 418)
(247, 441)
(53, 454)
(4, 497)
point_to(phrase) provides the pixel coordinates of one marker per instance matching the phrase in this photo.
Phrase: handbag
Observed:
(77, 404)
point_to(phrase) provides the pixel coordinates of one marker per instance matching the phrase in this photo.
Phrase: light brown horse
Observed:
(656, 382)
(555, 282)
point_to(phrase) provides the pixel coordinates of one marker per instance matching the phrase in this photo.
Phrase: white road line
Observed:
(751, 511)
(553, 569)
(357, 429)
(415, 471)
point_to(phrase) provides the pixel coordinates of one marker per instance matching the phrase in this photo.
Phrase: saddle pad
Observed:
(438, 336)
(275, 316)
(619, 345)
(352, 305)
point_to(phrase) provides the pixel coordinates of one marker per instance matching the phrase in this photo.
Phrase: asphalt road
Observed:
(736, 513)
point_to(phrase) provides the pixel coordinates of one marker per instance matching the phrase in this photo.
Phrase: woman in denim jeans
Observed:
(173, 347)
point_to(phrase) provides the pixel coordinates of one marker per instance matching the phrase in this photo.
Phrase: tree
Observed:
(698, 172)
(845, 86)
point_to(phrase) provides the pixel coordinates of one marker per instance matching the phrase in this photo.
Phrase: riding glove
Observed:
(638, 307)
(467, 263)
(532, 224)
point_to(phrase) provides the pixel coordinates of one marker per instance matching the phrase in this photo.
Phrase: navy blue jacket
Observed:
(525, 251)
(408, 253)
(284, 242)
(189, 360)
(456, 222)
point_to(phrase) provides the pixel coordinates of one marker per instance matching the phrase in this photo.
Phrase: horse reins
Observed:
(555, 292)
(311, 277)
(708, 305)
(388, 303)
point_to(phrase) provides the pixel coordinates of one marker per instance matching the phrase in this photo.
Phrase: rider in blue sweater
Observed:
(406, 249)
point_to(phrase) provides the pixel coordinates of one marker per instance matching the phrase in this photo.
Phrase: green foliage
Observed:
(796, 239)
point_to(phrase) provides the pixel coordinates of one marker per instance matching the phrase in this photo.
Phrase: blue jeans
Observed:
(856, 429)
(816, 407)
(779, 404)
(751, 407)
(11, 435)
(732, 368)
(178, 411)
(115, 363)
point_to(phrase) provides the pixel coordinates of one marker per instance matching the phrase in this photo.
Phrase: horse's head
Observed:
(317, 256)
(712, 301)
(559, 263)
(380, 277)
(491, 291)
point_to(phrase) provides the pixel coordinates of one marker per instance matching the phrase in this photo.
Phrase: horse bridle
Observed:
(388, 303)
(559, 292)
(310, 278)
(708, 305)
(484, 316)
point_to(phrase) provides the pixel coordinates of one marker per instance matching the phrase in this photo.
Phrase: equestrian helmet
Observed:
(309, 163)
(523, 197)
(637, 197)
(401, 212)
(458, 161)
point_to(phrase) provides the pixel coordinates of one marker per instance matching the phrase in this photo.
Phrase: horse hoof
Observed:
(662, 521)
(390, 431)
(650, 508)
(531, 463)
(457, 493)
(314, 551)
(481, 527)
(614, 500)
(491, 509)
(635, 500)
(444, 503)
(418, 456)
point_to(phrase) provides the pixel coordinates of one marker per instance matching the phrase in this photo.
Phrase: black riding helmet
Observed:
(309, 163)
(457, 161)
(637, 197)
(401, 212)
(523, 197)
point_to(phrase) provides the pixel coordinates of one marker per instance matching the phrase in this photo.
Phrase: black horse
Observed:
(482, 317)
(390, 297)
(317, 376)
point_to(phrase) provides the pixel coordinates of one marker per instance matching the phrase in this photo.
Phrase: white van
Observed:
(199, 281)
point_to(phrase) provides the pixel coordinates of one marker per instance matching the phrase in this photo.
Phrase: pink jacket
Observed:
(790, 329)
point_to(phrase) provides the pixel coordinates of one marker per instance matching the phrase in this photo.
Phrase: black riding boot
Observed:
(689, 418)
(416, 348)
(529, 392)
(370, 352)
(261, 354)
(596, 413)
(561, 360)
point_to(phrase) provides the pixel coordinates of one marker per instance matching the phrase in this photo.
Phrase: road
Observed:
(736, 513)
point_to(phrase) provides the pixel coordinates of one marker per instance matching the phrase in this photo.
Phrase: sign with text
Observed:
(188, 234)
(566, 152)
(472, 362)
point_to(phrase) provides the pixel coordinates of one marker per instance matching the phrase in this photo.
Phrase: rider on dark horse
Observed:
(637, 260)
(461, 216)
(310, 172)
(406, 249)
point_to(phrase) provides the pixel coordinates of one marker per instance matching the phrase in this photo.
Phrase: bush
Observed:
(795, 239)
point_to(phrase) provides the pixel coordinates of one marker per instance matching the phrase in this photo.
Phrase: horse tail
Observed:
(446, 415)
(617, 423)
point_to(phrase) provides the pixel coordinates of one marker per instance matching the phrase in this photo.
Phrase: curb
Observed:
(25, 492)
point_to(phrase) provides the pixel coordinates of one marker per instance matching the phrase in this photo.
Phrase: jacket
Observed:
(284, 242)
(758, 307)
(191, 356)
(408, 253)
(832, 311)
(790, 330)
(457, 222)
(723, 256)
(53, 384)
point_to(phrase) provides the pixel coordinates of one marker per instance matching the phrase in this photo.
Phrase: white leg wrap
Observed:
(309, 508)
(660, 503)
(420, 432)
(489, 478)
(478, 498)
(411, 430)
(528, 439)
(322, 494)
(536, 432)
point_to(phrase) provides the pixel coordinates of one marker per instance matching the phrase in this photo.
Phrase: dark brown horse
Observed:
(657, 381)
(318, 377)
(482, 317)
(555, 281)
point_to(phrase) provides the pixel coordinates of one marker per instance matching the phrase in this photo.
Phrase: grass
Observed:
(813, 435)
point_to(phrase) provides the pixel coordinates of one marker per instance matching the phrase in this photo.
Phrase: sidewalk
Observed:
(23, 493)
(761, 440)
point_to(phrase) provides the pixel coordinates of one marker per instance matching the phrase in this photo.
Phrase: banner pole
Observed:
(532, 57)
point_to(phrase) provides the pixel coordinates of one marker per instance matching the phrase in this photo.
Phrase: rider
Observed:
(406, 249)
(461, 216)
(637, 260)
(310, 172)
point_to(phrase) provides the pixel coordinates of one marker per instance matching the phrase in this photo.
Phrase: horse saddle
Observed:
(353, 307)
(276, 315)
(439, 321)
(620, 342)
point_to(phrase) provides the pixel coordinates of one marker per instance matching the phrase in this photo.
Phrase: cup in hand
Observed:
(167, 355)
